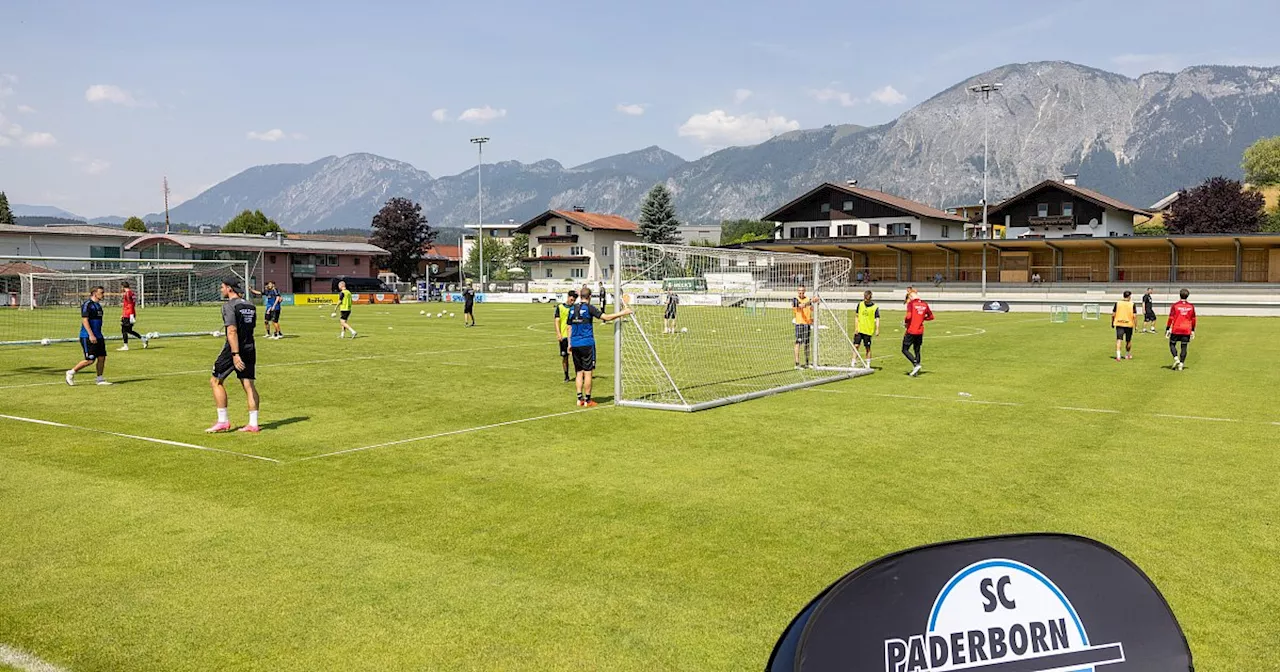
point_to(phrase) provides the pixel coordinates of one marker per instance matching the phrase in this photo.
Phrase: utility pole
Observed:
(986, 90)
(166, 204)
(479, 143)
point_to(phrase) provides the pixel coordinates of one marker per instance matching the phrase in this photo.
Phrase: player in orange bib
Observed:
(802, 307)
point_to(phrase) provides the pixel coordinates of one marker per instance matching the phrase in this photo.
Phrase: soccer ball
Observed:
(215, 333)
(422, 312)
(439, 314)
(333, 314)
(44, 341)
(391, 327)
(684, 330)
(450, 314)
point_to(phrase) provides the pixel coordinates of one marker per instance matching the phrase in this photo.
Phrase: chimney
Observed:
(579, 208)
(1070, 179)
(280, 238)
(851, 183)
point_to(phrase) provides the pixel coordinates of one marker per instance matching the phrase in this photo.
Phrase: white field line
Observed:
(905, 396)
(455, 432)
(308, 362)
(135, 437)
(1084, 410)
(992, 403)
(1193, 417)
(25, 661)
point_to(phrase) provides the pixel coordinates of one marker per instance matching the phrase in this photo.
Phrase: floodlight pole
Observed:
(985, 90)
(479, 143)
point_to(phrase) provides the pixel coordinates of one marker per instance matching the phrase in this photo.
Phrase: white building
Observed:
(79, 241)
(847, 211)
(1063, 209)
(501, 231)
(691, 234)
(575, 245)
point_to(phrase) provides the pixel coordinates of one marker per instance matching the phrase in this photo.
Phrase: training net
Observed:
(1058, 314)
(715, 326)
(40, 297)
(1089, 311)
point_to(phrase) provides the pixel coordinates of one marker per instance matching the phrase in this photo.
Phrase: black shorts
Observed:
(344, 314)
(1125, 333)
(861, 338)
(564, 347)
(1180, 338)
(126, 322)
(584, 357)
(1149, 316)
(224, 366)
(93, 351)
(273, 315)
(669, 313)
(912, 339)
(802, 333)
(468, 308)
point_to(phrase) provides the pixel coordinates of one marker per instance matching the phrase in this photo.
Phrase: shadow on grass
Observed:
(277, 424)
(33, 369)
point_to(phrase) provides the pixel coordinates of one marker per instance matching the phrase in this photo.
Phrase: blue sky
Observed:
(100, 100)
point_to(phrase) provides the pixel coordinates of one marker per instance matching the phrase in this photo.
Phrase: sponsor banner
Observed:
(647, 299)
(286, 300)
(1018, 603)
(995, 307)
(685, 284)
(314, 299)
(332, 299)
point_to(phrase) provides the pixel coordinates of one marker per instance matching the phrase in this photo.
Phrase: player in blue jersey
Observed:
(271, 300)
(92, 343)
(582, 341)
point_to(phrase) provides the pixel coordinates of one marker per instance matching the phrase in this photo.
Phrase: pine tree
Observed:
(658, 223)
(6, 215)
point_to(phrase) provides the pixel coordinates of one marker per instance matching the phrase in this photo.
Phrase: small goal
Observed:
(1058, 314)
(728, 334)
(1089, 311)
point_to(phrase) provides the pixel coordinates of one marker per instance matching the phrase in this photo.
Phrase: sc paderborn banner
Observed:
(1019, 603)
(996, 307)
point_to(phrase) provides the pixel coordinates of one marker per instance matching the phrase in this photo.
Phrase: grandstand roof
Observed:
(68, 230)
(252, 243)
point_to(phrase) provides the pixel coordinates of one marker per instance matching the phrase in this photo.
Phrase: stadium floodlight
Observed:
(47, 293)
(730, 336)
(985, 90)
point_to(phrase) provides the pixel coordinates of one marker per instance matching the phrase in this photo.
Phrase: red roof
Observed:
(448, 252)
(21, 268)
(1087, 194)
(587, 220)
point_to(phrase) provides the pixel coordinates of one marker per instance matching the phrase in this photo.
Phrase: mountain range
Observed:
(1134, 139)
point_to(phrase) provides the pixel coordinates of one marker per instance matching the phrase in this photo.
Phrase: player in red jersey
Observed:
(1180, 328)
(918, 313)
(129, 315)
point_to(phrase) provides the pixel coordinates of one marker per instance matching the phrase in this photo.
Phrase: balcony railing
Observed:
(570, 238)
(552, 259)
(304, 269)
(850, 239)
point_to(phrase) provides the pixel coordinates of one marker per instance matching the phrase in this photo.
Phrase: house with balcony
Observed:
(575, 245)
(1063, 209)
(493, 232)
(846, 211)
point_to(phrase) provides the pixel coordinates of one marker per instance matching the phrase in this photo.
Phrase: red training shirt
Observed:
(917, 314)
(126, 303)
(1182, 318)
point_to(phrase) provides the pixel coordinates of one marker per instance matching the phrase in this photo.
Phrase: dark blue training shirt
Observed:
(272, 297)
(92, 310)
(581, 330)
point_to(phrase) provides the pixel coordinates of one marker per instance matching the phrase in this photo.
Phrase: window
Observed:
(799, 232)
(606, 272)
(1042, 210)
(848, 229)
(333, 260)
(493, 233)
(575, 251)
(548, 272)
(271, 258)
(848, 206)
(553, 230)
(577, 273)
(946, 232)
(825, 207)
(103, 252)
(355, 261)
(1067, 207)
(568, 229)
(604, 250)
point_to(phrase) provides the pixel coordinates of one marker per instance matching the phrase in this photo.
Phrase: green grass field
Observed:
(611, 538)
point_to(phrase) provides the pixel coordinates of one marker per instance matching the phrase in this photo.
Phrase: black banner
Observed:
(995, 307)
(1019, 603)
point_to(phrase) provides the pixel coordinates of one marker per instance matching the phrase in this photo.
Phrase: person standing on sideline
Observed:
(468, 306)
(344, 309)
(868, 324)
(582, 341)
(802, 311)
(92, 343)
(669, 313)
(128, 315)
(271, 306)
(1124, 317)
(1180, 328)
(239, 318)
(562, 329)
(1148, 313)
(918, 313)
(604, 297)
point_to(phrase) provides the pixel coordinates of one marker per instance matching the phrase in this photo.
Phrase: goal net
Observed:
(716, 326)
(40, 297)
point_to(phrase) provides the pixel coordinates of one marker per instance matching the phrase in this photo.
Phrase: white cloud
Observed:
(1141, 64)
(26, 109)
(633, 109)
(740, 96)
(440, 115)
(39, 140)
(110, 93)
(480, 115)
(888, 95)
(91, 166)
(830, 94)
(718, 128)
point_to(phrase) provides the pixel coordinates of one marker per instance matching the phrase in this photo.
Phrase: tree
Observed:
(401, 229)
(519, 246)
(1219, 205)
(658, 223)
(6, 215)
(499, 257)
(1262, 162)
(744, 230)
(1151, 227)
(1273, 220)
(252, 222)
(135, 224)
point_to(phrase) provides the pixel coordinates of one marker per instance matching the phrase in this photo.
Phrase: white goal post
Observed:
(40, 296)
(715, 326)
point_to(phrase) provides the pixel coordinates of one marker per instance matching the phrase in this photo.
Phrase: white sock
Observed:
(253, 418)
(100, 379)
(222, 415)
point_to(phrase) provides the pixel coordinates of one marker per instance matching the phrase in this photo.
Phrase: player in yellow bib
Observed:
(344, 309)
(868, 324)
(1124, 317)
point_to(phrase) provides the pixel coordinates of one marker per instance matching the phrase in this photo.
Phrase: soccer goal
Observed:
(728, 334)
(40, 297)
(1058, 314)
(1089, 311)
